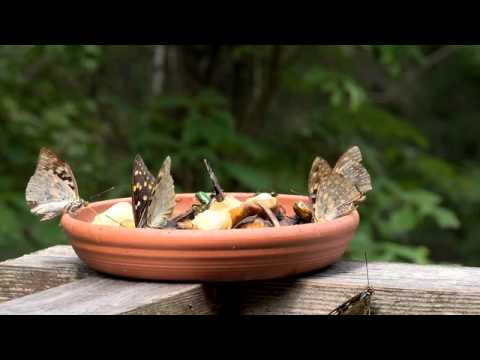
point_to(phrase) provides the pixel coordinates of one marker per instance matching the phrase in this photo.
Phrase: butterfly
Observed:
(52, 190)
(335, 192)
(153, 199)
(359, 304)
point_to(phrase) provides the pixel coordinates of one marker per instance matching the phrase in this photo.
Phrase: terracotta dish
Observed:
(208, 256)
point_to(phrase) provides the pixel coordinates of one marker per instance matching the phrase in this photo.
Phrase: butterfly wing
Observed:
(349, 165)
(353, 153)
(219, 193)
(319, 171)
(52, 187)
(165, 169)
(163, 198)
(360, 307)
(342, 309)
(357, 305)
(358, 175)
(336, 197)
(143, 183)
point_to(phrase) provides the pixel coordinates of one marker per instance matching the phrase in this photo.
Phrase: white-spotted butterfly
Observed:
(153, 199)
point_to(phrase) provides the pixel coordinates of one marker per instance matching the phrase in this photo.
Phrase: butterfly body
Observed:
(52, 190)
(53, 209)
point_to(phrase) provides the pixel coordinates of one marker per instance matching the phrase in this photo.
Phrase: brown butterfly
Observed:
(359, 304)
(52, 190)
(153, 199)
(335, 192)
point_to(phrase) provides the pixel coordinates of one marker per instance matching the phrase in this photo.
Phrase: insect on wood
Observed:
(360, 304)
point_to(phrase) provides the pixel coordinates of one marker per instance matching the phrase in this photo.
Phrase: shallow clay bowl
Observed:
(208, 256)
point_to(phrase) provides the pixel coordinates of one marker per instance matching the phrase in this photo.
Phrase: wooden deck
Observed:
(55, 281)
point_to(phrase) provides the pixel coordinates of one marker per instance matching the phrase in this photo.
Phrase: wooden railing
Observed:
(55, 281)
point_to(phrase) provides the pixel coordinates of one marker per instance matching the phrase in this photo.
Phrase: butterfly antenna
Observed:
(103, 192)
(366, 264)
(115, 221)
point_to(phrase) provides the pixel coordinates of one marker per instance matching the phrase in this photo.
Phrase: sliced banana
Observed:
(116, 215)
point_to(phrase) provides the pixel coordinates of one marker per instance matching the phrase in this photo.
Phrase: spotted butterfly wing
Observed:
(52, 189)
(336, 192)
(162, 201)
(336, 197)
(143, 183)
(319, 171)
(349, 165)
(352, 154)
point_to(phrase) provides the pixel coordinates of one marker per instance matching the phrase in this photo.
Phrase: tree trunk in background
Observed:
(248, 86)
(266, 90)
(159, 69)
(174, 73)
(242, 84)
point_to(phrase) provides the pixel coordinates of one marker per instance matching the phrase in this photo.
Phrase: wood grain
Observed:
(55, 281)
(39, 271)
(400, 289)
(99, 295)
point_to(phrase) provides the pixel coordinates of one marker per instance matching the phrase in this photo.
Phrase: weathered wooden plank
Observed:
(39, 271)
(99, 295)
(400, 289)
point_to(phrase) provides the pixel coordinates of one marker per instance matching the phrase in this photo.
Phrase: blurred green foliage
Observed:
(259, 114)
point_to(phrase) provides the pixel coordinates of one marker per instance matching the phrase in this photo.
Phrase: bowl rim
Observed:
(203, 239)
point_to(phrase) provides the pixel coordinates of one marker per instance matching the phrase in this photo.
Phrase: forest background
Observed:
(260, 114)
